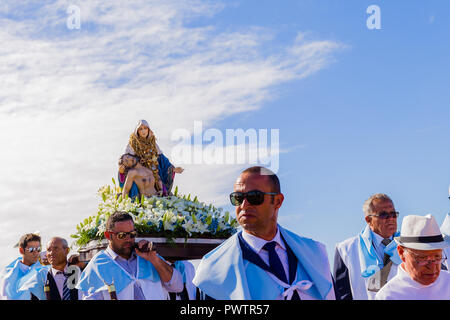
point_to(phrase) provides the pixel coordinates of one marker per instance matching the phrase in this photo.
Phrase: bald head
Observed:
(270, 177)
(57, 251)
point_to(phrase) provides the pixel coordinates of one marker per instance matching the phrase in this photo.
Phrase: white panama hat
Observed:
(421, 233)
(445, 228)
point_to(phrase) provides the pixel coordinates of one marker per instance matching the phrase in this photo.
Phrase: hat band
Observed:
(425, 239)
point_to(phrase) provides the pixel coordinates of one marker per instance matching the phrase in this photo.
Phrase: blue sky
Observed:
(359, 111)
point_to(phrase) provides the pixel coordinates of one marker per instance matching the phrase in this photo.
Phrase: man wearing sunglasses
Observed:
(364, 263)
(263, 261)
(136, 274)
(419, 276)
(12, 276)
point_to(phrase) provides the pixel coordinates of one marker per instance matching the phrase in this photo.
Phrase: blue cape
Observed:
(223, 274)
(15, 278)
(103, 269)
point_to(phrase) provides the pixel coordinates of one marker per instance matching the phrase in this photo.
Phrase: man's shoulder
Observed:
(392, 290)
(445, 275)
(348, 243)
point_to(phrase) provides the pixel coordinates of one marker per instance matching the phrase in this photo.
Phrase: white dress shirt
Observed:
(257, 245)
(60, 278)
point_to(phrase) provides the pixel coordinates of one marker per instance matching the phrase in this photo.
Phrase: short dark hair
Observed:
(262, 171)
(23, 242)
(117, 216)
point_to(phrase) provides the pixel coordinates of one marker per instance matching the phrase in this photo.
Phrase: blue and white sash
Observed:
(368, 259)
(224, 274)
(102, 270)
(12, 279)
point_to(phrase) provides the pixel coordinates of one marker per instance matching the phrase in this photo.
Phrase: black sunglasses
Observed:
(254, 197)
(123, 235)
(385, 215)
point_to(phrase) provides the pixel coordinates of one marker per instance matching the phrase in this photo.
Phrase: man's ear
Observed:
(107, 235)
(22, 252)
(401, 253)
(368, 219)
(279, 200)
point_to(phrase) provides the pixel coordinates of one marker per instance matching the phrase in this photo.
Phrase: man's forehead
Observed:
(33, 243)
(55, 243)
(382, 203)
(247, 178)
(127, 225)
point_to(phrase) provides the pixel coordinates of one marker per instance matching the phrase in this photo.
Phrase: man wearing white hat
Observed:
(419, 277)
(445, 229)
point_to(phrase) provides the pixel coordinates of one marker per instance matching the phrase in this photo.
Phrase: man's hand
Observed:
(150, 255)
(164, 270)
(178, 170)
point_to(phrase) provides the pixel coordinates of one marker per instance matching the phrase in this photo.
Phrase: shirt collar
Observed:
(257, 243)
(55, 271)
(377, 238)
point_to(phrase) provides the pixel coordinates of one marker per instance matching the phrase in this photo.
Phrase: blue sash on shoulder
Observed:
(14, 278)
(368, 258)
(34, 282)
(224, 274)
(102, 269)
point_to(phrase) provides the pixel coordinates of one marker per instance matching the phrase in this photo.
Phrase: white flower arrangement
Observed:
(170, 217)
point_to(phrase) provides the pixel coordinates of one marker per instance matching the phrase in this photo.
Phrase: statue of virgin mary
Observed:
(142, 143)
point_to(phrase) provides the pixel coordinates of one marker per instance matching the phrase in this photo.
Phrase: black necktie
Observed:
(386, 257)
(276, 267)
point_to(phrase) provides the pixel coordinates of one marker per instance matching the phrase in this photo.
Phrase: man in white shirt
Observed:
(61, 278)
(264, 261)
(419, 276)
(135, 274)
(364, 263)
(11, 276)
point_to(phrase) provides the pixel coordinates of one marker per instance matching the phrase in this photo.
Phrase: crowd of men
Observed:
(262, 261)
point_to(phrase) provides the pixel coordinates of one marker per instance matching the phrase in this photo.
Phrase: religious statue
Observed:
(142, 144)
(139, 175)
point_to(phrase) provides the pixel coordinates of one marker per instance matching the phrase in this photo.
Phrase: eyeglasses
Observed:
(254, 197)
(123, 235)
(32, 249)
(421, 261)
(385, 215)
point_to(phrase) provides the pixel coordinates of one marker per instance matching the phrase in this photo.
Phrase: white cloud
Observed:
(70, 98)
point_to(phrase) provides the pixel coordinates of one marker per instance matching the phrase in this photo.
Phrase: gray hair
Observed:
(368, 207)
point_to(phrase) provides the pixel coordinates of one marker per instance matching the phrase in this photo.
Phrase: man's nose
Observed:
(245, 203)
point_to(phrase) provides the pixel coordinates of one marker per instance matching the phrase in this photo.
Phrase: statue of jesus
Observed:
(143, 177)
